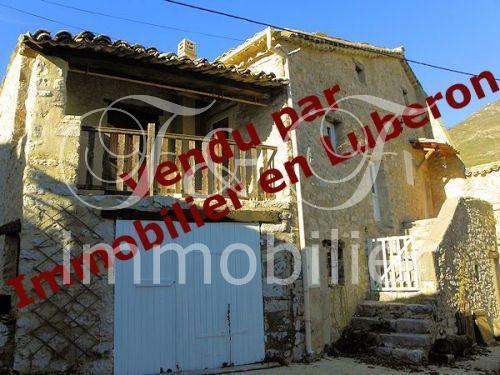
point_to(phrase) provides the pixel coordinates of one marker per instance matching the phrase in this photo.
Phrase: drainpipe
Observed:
(280, 51)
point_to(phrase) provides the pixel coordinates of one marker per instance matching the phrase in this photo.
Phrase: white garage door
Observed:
(172, 326)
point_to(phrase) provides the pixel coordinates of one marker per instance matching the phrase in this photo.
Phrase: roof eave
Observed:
(100, 55)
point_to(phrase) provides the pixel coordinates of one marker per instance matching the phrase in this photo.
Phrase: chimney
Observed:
(186, 48)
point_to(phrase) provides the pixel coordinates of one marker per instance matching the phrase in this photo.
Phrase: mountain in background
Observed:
(478, 136)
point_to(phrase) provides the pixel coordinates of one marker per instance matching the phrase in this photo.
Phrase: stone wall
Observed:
(483, 182)
(463, 263)
(12, 140)
(12, 159)
(70, 329)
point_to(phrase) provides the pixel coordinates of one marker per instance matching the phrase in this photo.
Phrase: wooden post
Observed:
(151, 157)
(255, 163)
(120, 161)
(191, 178)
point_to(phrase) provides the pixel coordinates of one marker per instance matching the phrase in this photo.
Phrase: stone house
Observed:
(52, 137)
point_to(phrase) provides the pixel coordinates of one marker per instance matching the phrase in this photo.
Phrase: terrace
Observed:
(107, 152)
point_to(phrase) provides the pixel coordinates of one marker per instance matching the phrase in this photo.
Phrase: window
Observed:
(5, 304)
(476, 271)
(335, 261)
(377, 214)
(405, 96)
(11, 255)
(333, 132)
(360, 72)
(332, 136)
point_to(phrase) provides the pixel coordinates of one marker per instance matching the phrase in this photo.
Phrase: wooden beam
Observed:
(429, 153)
(142, 71)
(170, 87)
(243, 216)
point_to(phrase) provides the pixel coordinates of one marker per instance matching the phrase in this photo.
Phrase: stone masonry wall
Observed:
(12, 143)
(465, 276)
(12, 159)
(486, 186)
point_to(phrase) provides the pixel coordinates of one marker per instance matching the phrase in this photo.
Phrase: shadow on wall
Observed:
(447, 177)
(59, 332)
(457, 266)
(12, 160)
(465, 264)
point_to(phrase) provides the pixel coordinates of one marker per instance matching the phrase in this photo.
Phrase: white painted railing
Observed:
(393, 264)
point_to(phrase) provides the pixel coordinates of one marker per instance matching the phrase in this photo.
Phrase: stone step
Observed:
(404, 325)
(394, 310)
(423, 223)
(406, 340)
(403, 355)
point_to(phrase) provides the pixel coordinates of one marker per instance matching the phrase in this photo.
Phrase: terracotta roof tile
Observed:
(86, 40)
(483, 169)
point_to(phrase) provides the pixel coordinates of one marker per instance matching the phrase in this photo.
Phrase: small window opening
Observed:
(5, 304)
(360, 72)
(377, 213)
(476, 272)
(333, 132)
(335, 261)
(12, 244)
(405, 96)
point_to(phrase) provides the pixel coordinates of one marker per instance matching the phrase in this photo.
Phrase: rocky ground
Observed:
(485, 361)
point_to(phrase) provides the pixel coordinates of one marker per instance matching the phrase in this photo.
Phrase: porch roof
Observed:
(100, 53)
(427, 144)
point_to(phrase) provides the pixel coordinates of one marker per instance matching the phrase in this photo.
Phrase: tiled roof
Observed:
(322, 40)
(318, 40)
(483, 169)
(86, 40)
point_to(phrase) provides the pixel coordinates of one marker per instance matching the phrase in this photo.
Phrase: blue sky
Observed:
(460, 34)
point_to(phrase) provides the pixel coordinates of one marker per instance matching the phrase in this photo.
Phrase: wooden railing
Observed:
(106, 153)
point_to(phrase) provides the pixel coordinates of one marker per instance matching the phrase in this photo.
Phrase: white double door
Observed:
(171, 326)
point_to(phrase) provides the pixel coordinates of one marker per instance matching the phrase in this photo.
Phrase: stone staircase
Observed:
(421, 230)
(400, 332)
